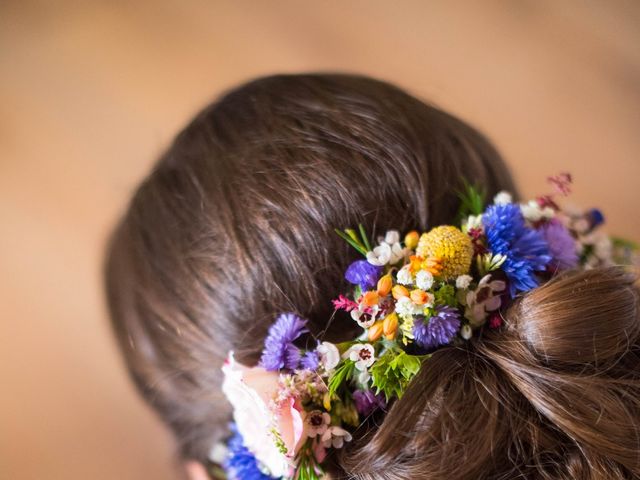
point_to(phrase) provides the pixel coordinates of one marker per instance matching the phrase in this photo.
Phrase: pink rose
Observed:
(250, 391)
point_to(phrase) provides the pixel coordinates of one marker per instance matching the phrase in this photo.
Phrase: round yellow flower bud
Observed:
(411, 240)
(449, 245)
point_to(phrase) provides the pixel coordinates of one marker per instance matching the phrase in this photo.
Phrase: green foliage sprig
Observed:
(472, 200)
(358, 240)
(393, 371)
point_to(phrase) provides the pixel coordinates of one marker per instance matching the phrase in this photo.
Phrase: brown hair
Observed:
(235, 224)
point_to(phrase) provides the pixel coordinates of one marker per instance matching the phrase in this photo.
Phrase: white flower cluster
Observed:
(389, 250)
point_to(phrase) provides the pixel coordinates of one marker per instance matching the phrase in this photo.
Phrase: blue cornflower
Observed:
(362, 273)
(279, 351)
(240, 463)
(437, 330)
(526, 249)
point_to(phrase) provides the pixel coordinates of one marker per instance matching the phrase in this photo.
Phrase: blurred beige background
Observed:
(92, 91)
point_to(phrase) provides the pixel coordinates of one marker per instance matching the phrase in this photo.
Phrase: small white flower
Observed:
(404, 306)
(363, 354)
(404, 276)
(397, 253)
(502, 198)
(392, 236)
(463, 281)
(473, 221)
(380, 255)
(316, 423)
(335, 437)
(424, 280)
(485, 298)
(533, 212)
(466, 332)
(365, 320)
(329, 356)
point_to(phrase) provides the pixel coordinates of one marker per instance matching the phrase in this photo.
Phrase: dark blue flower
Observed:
(437, 330)
(310, 360)
(240, 463)
(526, 249)
(368, 402)
(279, 351)
(363, 273)
(595, 218)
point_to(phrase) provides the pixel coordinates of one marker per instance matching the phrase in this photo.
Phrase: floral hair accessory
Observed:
(411, 295)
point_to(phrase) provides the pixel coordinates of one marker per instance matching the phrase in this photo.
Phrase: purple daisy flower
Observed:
(437, 330)
(368, 402)
(363, 273)
(562, 246)
(279, 351)
(526, 249)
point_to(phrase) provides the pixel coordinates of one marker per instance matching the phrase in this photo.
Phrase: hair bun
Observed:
(579, 317)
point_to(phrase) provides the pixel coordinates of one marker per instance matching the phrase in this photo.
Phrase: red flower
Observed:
(495, 321)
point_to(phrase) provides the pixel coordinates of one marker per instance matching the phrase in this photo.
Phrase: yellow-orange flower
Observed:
(432, 265)
(450, 246)
(384, 285)
(390, 325)
(415, 263)
(375, 331)
(370, 298)
(419, 297)
(399, 291)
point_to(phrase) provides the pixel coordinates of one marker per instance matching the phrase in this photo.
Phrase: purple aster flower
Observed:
(526, 249)
(368, 402)
(363, 273)
(562, 246)
(310, 361)
(279, 351)
(241, 464)
(437, 330)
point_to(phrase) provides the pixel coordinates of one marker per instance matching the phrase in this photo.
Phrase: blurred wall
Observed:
(91, 92)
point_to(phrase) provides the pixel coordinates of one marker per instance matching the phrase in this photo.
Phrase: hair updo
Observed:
(235, 225)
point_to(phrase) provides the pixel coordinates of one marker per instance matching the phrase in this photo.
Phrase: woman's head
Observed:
(235, 225)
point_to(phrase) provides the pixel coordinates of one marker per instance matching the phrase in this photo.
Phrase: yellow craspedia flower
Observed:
(451, 246)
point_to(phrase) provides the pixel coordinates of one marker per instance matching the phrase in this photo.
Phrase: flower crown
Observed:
(411, 295)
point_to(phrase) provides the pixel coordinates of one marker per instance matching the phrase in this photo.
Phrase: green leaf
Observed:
(472, 200)
(307, 466)
(365, 239)
(342, 373)
(352, 240)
